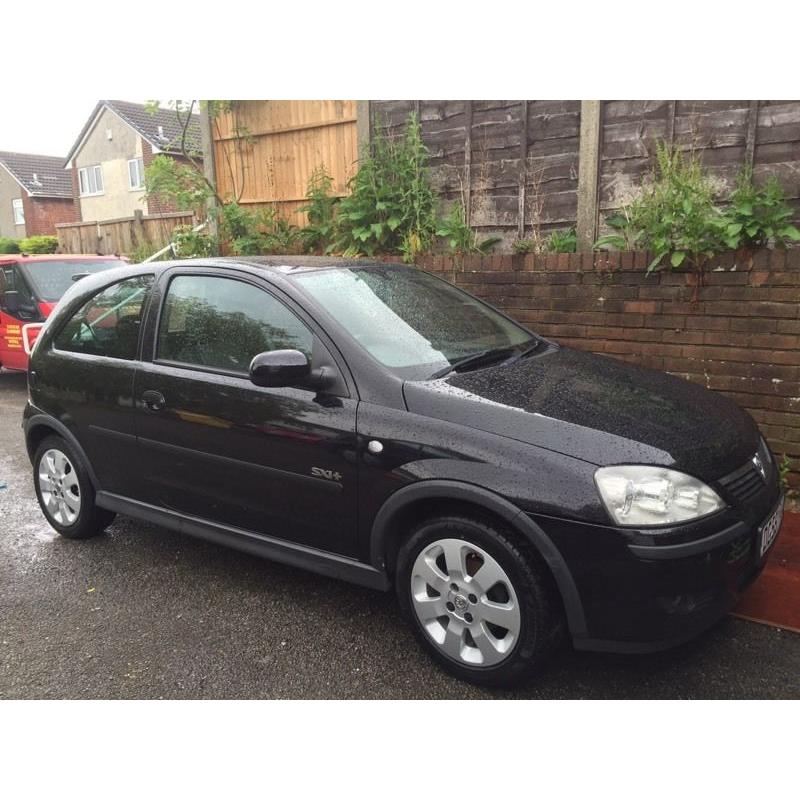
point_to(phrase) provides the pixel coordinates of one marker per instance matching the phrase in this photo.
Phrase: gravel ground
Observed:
(143, 612)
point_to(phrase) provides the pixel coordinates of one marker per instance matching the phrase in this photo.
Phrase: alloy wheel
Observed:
(466, 602)
(59, 487)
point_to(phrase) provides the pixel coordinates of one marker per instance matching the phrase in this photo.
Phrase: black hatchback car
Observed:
(374, 423)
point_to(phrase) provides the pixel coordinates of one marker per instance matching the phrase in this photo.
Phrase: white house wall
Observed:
(118, 199)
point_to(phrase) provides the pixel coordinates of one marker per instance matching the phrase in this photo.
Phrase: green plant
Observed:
(391, 206)
(8, 245)
(523, 246)
(258, 232)
(39, 244)
(183, 184)
(459, 236)
(317, 236)
(564, 241)
(675, 216)
(758, 216)
(783, 471)
(141, 252)
(189, 243)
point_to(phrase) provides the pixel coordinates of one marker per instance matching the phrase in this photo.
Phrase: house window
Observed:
(19, 212)
(90, 180)
(136, 173)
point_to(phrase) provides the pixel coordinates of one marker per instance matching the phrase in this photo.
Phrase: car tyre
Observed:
(65, 492)
(463, 616)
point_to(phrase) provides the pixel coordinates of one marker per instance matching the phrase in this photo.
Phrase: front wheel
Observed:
(481, 602)
(64, 491)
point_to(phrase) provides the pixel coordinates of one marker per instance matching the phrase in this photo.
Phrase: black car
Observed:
(374, 423)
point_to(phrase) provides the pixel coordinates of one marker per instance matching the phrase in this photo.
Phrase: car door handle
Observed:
(153, 400)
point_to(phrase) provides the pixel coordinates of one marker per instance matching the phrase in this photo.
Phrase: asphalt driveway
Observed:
(143, 612)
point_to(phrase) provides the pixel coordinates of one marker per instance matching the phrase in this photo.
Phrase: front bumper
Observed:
(639, 595)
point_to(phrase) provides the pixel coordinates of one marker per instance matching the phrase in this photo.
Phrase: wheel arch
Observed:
(38, 427)
(420, 499)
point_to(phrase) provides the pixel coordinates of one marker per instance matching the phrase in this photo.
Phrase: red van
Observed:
(30, 287)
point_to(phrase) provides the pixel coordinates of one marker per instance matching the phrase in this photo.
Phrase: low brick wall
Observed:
(740, 336)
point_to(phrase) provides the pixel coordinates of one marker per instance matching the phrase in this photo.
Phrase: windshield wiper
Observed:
(474, 360)
(537, 343)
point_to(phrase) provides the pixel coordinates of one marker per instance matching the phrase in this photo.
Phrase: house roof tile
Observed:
(40, 176)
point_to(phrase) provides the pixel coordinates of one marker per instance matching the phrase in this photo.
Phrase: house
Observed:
(109, 157)
(35, 194)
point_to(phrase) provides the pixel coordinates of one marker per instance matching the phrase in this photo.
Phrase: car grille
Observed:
(745, 483)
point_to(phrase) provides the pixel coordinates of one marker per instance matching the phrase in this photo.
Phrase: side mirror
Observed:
(11, 302)
(276, 368)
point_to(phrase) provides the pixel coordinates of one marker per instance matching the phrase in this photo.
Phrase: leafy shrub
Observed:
(524, 246)
(391, 206)
(318, 235)
(141, 252)
(565, 241)
(170, 180)
(459, 236)
(8, 245)
(189, 243)
(758, 216)
(259, 232)
(783, 471)
(675, 215)
(39, 244)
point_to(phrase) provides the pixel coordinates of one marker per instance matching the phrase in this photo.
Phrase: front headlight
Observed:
(640, 495)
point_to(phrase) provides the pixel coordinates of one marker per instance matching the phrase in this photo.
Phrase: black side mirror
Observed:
(276, 368)
(11, 302)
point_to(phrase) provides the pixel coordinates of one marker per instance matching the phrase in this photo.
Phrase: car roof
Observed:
(288, 265)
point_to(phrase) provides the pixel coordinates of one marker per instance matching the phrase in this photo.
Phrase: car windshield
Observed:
(51, 279)
(409, 320)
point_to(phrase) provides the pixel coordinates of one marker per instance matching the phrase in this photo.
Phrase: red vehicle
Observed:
(30, 287)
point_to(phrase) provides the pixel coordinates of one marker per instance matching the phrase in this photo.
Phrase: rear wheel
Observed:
(481, 602)
(64, 491)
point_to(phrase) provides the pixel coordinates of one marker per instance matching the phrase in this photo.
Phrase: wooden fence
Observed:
(265, 151)
(120, 236)
(516, 163)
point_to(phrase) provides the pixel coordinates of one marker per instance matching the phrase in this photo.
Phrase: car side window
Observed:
(109, 323)
(221, 323)
(12, 281)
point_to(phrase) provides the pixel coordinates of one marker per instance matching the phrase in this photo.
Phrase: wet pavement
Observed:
(143, 612)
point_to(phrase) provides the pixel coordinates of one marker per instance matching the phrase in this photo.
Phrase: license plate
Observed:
(769, 530)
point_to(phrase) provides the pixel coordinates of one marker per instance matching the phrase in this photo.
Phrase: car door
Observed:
(12, 352)
(275, 461)
(84, 378)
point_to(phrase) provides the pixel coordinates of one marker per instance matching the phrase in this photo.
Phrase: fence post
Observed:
(523, 170)
(363, 127)
(467, 161)
(209, 164)
(588, 169)
(138, 227)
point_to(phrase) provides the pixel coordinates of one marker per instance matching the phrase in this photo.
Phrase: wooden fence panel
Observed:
(478, 153)
(119, 236)
(266, 150)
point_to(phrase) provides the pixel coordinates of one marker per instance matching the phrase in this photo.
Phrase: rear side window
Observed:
(222, 323)
(109, 323)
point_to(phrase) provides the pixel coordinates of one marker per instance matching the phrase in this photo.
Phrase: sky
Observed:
(47, 129)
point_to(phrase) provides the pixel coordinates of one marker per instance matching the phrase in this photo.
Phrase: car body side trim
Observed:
(295, 555)
(330, 486)
(446, 489)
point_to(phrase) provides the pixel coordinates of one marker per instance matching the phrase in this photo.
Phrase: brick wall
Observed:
(42, 214)
(740, 336)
